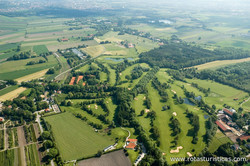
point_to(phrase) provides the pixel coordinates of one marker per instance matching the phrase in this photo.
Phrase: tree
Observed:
(99, 153)
(51, 71)
(48, 144)
(52, 153)
(69, 103)
(142, 112)
(45, 135)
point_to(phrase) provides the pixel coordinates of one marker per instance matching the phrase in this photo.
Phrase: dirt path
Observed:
(127, 136)
(22, 143)
(37, 133)
(245, 101)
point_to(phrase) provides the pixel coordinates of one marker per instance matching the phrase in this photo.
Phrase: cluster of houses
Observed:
(230, 128)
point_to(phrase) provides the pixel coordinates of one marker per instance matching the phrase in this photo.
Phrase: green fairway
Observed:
(74, 138)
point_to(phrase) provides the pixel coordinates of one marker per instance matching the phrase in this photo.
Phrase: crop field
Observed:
(32, 76)
(94, 51)
(75, 139)
(40, 49)
(142, 44)
(217, 64)
(17, 69)
(10, 157)
(31, 155)
(8, 89)
(12, 94)
(8, 46)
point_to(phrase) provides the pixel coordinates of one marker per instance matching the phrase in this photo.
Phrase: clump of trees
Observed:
(194, 121)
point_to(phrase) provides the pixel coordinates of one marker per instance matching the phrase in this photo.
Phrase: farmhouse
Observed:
(131, 143)
(1, 119)
(64, 40)
(244, 137)
(223, 126)
(226, 111)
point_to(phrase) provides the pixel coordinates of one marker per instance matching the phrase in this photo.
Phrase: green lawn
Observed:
(74, 138)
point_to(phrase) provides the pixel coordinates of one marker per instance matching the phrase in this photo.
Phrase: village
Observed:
(231, 129)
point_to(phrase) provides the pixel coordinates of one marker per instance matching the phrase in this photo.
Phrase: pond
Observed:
(206, 116)
(186, 101)
(118, 59)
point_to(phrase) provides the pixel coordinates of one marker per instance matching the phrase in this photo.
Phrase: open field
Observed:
(10, 157)
(94, 51)
(40, 49)
(13, 94)
(8, 89)
(75, 139)
(110, 159)
(32, 76)
(17, 69)
(217, 64)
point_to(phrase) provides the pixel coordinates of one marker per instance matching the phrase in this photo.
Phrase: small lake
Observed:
(118, 59)
(186, 101)
(206, 116)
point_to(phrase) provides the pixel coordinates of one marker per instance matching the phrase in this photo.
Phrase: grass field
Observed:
(12, 94)
(217, 64)
(74, 138)
(221, 94)
(8, 46)
(32, 76)
(40, 49)
(8, 89)
(17, 69)
(218, 140)
(10, 157)
(94, 51)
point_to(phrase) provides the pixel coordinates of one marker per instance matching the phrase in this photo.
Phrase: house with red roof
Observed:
(229, 113)
(64, 40)
(244, 137)
(222, 126)
(131, 143)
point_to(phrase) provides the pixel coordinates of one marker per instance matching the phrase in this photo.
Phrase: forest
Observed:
(177, 55)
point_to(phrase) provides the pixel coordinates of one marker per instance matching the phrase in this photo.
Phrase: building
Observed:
(222, 126)
(1, 119)
(244, 137)
(108, 148)
(131, 144)
(64, 40)
(229, 113)
(236, 147)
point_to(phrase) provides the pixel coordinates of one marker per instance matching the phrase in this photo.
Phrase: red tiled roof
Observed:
(245, 137)
(131, 145)
(227, 112)
(72, 81)
(221, 126)
(64, 39)
(132, 140)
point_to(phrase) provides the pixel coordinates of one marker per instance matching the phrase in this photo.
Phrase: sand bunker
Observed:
(173, 91)
(177, 150)
(189, 154)
(135, 98)
(147, 110)
(88, 106)
(144, 98)
(96, 106)
(174, 113)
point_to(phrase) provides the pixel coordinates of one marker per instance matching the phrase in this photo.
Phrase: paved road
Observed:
(127, 136)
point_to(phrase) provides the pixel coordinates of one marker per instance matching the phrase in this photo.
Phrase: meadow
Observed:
(17, 69)
(74, 138)
(218, 140)
(40, 49)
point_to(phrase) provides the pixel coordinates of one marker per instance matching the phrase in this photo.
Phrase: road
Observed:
(127, 136)
(245, 101)
(75, 66)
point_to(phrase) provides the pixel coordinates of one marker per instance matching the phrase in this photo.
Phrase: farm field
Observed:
(31, 155)
(216, 64)
(10, 157)
(94, 51)
(32, 76)
(13, 94)
(75, 139)
(10, 69)
(8, 89)
(40, 49)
